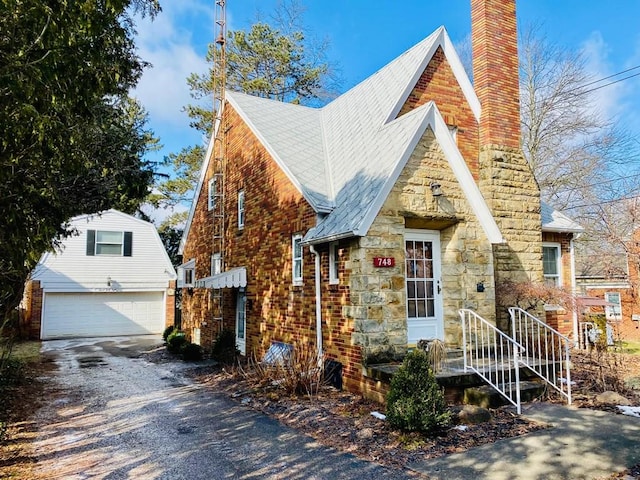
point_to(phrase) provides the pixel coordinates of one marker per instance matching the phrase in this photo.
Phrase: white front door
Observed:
(424, 290)
(241, 322)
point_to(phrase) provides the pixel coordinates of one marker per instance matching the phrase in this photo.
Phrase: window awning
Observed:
(593, 302)
(234, 278)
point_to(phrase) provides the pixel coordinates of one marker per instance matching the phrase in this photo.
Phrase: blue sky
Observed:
(364, 35)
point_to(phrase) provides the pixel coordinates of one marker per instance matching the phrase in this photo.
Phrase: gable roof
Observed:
(114, 220)
(345, 157)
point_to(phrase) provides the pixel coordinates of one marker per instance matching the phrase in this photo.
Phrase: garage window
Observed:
(110, 243)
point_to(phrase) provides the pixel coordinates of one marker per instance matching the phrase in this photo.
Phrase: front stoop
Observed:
(454, 379)
(488, 397)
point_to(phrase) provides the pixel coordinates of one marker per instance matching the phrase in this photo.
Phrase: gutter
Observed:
(318, 303)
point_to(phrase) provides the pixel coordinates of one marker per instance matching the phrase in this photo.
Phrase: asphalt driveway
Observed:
(116, 416)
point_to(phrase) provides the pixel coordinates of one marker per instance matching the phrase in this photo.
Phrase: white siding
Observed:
(102, 314)
(72, 270)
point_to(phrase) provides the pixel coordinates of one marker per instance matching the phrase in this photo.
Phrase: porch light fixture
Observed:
(436, 189)
(108, 281)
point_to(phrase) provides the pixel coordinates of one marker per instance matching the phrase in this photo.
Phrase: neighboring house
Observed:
(558, 265)
(364, 226)
(619, 290)
(113, 277)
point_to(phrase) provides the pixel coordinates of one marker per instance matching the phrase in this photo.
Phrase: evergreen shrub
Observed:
(224, 348)
(415, 401)
(168, 331)
(191, 352)
(175, 341)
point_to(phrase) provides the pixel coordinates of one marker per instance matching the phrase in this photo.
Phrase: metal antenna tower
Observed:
(219, 78)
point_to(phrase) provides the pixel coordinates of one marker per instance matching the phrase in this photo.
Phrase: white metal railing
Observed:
(546, 351)
(491, 354)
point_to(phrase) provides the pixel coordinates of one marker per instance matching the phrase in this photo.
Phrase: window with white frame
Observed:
(109, 243)
(613, 312)
(334, 263)
(187, 274)
(296, 254)
(216, 264)
(551, 266)
(240, 208)
(211, 199)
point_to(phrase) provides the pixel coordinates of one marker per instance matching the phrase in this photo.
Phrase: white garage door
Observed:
(102, 314)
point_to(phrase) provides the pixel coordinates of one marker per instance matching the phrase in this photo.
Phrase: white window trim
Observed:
(216, 264)
(98, 243)
(558, 248)
(185, 271)
(211, 199)
(295, 260)
(609, 310)
(241, 210)
(333, 263)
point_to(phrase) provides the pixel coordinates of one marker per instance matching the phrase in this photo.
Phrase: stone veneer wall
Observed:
(508, 185)
(378, 294)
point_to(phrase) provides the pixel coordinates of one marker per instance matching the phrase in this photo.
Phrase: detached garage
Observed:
(113, 278)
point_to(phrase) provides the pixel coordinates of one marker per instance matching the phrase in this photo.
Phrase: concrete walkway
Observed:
(582, 444)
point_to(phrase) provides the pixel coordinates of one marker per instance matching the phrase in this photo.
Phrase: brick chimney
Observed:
(495, 71)
(505, 177)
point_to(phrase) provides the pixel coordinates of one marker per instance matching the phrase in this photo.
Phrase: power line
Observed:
(580, 88)
(610, 83)
(611, 180)
(600, 202)
(606, 78)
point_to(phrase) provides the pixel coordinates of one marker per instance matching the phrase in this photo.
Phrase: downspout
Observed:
(573, 290)
(318, 303)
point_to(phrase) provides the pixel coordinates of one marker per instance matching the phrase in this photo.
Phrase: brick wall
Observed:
(627, 329)
(170, 304)
(495, 71)
(438, 83)
(32, 313)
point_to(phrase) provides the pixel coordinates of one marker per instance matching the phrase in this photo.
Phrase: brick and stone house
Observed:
(363, 226)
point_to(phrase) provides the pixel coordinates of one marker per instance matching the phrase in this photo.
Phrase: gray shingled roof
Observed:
(345, 156)
(555, 221)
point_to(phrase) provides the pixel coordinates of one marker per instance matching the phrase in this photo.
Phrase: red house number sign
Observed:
(384, 261)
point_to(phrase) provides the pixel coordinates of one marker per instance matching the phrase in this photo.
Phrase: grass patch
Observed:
(632, 348)
(26, 352)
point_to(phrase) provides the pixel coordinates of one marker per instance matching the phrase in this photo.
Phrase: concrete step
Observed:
(488, 397)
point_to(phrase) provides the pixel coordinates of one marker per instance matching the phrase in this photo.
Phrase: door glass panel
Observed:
(422, 311)
(420, 281)
(411, 308)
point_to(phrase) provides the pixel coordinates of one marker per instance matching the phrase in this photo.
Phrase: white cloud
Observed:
(173, 43)
(612, 101)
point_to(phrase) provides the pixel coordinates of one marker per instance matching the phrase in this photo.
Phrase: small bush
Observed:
(175, 341)
(224, 348)
(191, 352)
(168, 331)
(415, 401)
